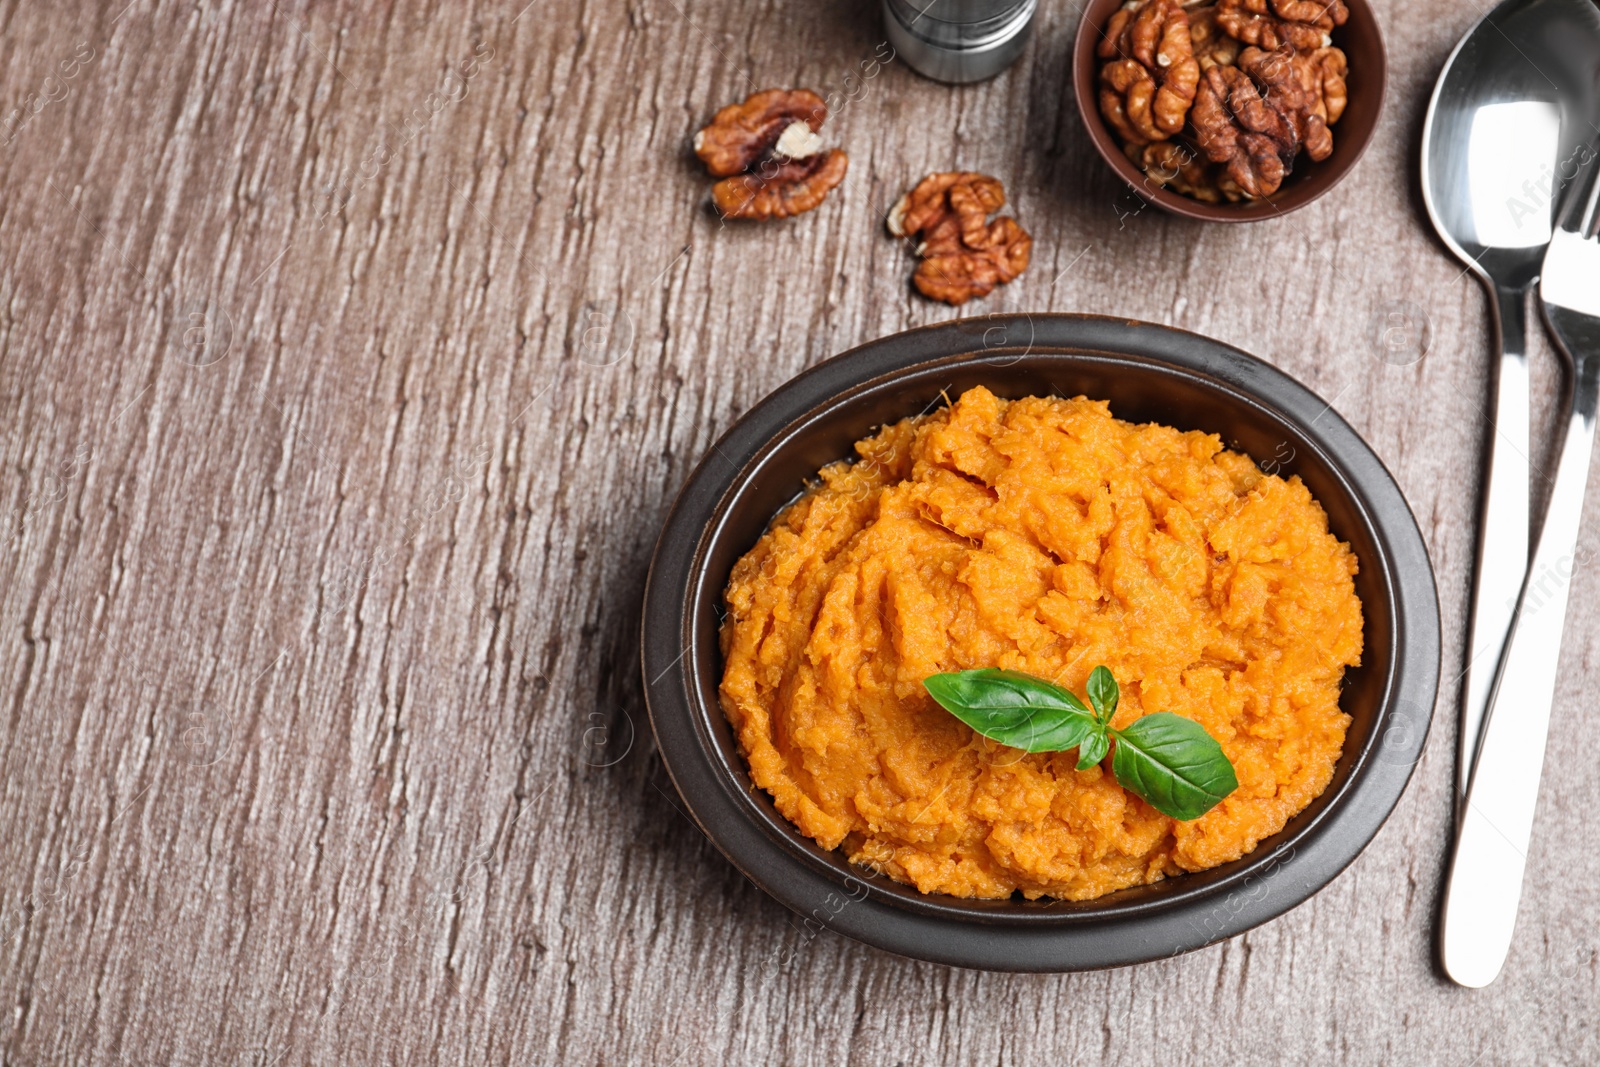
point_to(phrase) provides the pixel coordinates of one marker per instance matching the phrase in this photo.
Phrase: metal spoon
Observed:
(1497, 128)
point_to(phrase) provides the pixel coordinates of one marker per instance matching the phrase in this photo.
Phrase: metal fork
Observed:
(1485, 882)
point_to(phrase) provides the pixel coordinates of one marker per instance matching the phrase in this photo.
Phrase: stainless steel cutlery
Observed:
(1507, 134)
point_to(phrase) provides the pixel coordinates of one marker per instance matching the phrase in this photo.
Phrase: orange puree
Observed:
(1039, 535)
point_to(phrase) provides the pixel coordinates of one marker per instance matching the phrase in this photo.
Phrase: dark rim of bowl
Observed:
(1132, 925)
(1360, 37)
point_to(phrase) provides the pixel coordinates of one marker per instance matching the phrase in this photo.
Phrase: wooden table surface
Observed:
(351, 357)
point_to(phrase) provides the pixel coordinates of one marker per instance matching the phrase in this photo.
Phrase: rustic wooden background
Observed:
(350, 355)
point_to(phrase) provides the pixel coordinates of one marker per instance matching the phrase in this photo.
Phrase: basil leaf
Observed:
(1172, 763)
(1014, 709)
(1093, 750)
(1103, 693)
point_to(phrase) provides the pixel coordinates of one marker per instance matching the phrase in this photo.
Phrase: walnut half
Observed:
(1235, 127)
(780, 188)
(964, 254)
(1323, 73)
(1283, 90)
(1269, 24)
(1182, 169)
(1151, 80)
(1213, 47)
(768, 155)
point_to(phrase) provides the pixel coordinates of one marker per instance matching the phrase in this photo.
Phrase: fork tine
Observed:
(1580, 206)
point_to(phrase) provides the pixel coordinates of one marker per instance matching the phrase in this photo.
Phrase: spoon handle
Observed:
(1485, 880)
(1503, 545)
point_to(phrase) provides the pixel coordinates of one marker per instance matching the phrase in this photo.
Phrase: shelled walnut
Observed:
(1216, 101)
(768, 155)
(1304, 24)
(1323, 73)
(1211, 44)
(964, 253)
(1127, 95)
(1285, 92)
(1235, 127)
(1183, 170)
(1150, 44)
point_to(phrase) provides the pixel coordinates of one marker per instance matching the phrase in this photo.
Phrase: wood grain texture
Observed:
(341, 398)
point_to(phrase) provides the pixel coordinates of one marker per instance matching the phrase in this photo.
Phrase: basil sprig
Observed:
(1169, 761)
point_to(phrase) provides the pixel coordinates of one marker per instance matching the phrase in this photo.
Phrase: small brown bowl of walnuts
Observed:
(1230, 110)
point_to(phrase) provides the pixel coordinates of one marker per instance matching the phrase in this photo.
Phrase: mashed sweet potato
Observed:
(1039, 535)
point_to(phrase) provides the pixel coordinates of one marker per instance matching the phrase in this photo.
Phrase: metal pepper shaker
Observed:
(958, 41)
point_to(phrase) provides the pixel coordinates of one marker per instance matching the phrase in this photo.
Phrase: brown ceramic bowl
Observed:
(1148, 373)
(1362, 44)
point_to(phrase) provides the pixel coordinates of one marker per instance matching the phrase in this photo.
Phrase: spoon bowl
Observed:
(1512, 103)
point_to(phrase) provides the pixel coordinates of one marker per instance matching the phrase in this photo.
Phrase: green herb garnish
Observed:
(1169, 761)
